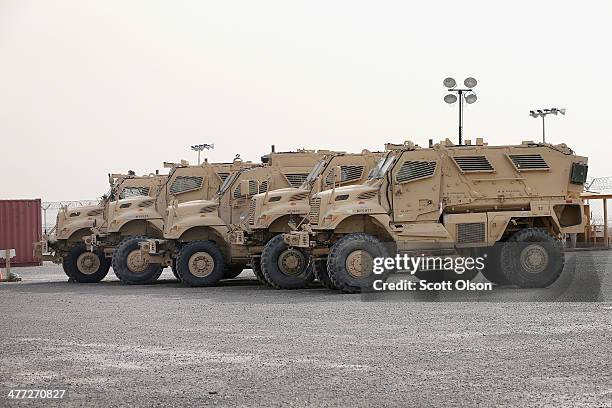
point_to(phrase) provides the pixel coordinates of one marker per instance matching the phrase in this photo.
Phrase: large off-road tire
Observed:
(350, 262)
(129, 264)
(200, 263)
(532, 258)
(492, 269)
(232, 271)
(85, 266)
(320, 270)
(256, 266)
(284, 267)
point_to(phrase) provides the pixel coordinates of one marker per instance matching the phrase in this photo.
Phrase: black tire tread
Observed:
(213, 250)
(334, 254)
(267, 258)
(119, 254)
(71, 270)
(530, 235)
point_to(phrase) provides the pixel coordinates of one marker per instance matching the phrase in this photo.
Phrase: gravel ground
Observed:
(241, 344)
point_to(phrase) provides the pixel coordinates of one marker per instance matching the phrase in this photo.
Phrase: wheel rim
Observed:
(201, 264)
(88, 263)
(359, 263)
(136, 262)
(291, 262)
(534, 258)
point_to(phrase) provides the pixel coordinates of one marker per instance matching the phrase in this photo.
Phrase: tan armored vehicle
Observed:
(279, 211)
(129, 221)
(65, 243)
(460, 200)
(196, 234)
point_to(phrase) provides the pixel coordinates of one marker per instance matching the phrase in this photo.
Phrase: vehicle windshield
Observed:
(384, 164)
(316, 170)
(228, 182)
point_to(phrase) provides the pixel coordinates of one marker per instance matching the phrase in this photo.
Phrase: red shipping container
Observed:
(20, 227)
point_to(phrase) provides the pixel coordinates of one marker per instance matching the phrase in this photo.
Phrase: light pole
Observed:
(198, 148)
(542, 113)
(468, 94)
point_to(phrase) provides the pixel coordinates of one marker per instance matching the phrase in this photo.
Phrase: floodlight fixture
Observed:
(450, 82)
(543, 113)
(200, 147)
(450, 98)
(470, 82)
(466, 94)
(471, 98)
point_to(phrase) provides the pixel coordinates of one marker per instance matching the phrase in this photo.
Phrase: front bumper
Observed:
(42, 251)
(300, 239)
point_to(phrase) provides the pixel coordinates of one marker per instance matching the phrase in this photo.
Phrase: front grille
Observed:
(251, 218)
(147, 203)
(470, 232)
(367, 195)
(208, 209)
(298, 197)
(315, 208)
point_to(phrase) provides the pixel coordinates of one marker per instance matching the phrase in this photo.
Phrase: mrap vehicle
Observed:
(129, 221)
(279, 211)
(196, 234)
(66, 242)
(512, 203)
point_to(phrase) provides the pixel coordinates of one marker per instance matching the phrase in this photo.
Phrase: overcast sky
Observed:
(91, 87)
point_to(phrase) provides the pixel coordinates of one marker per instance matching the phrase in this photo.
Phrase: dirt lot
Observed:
(108, 344)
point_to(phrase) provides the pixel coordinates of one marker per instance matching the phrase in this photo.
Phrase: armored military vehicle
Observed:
(65, 242)
(510, 203)
(196, 233)
(279, 211)
(132, 220)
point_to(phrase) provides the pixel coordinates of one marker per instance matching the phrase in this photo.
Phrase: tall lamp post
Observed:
(543, 113)
(198, 148)
(466, 94)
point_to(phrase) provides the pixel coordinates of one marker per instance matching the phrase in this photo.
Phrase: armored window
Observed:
(473, 164)
(296, 179)
(263, 187)
(579, 173)
(222, 176)
(525, 162)
(415, 170)
(348, 174)
(183, 184)
(134, 192)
